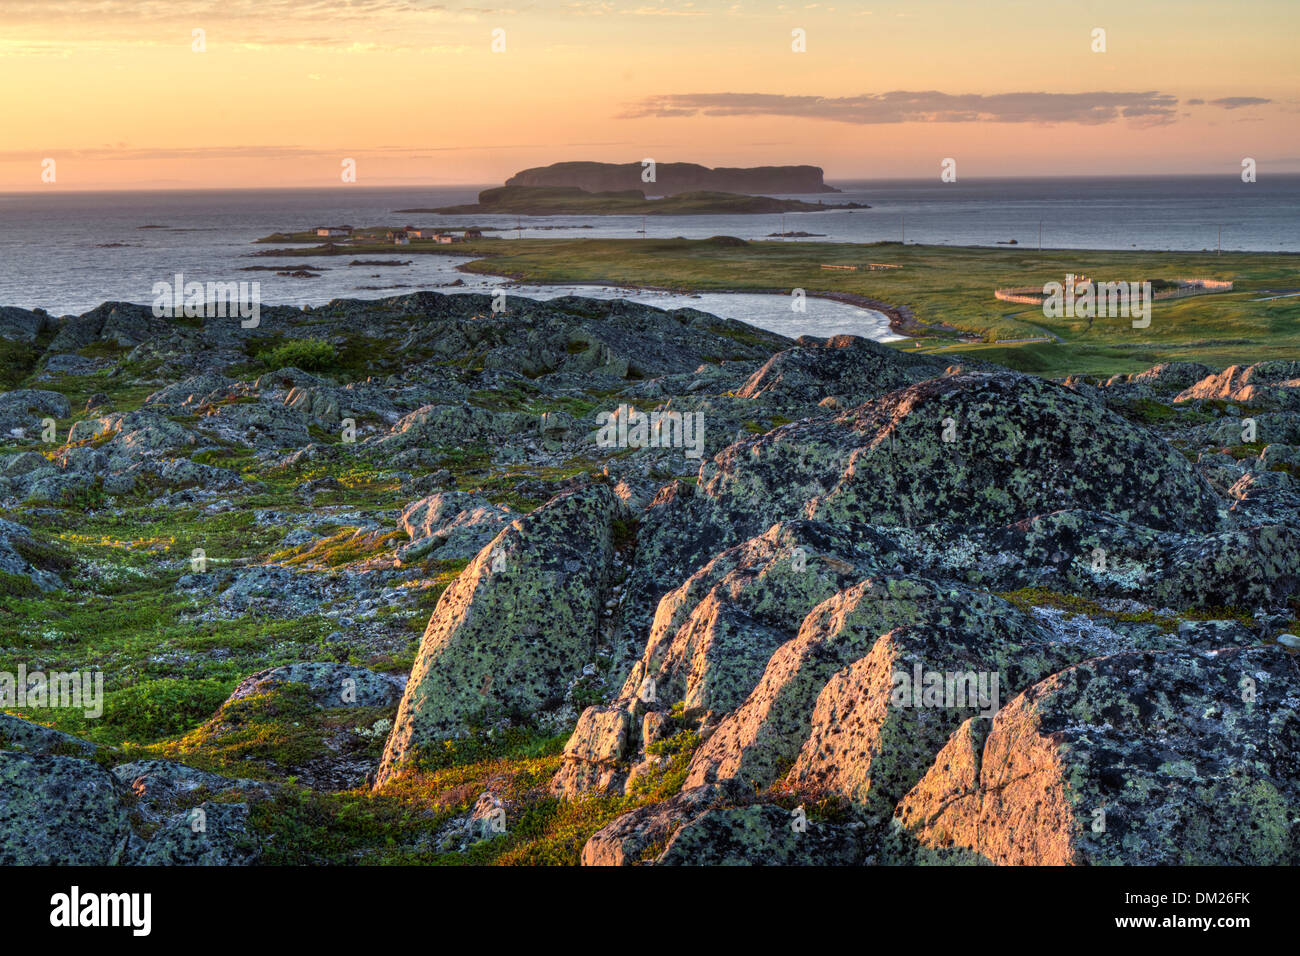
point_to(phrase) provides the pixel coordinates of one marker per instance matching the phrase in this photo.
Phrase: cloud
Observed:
(124, 153)
(926, 106)
(1237, 102)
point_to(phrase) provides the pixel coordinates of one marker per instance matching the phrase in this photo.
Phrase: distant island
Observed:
(573, 201)
(673, 178)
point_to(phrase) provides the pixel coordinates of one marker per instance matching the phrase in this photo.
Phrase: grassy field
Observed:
(953, 286)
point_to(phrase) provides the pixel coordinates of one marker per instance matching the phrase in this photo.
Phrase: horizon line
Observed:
(46, 188)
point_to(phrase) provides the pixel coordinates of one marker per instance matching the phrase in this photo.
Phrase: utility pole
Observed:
(902, 224)
(783, 227)
(1040, 235)
(519, 224)
(1220, 249)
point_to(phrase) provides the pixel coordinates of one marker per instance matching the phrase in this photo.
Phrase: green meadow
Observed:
(952, 287)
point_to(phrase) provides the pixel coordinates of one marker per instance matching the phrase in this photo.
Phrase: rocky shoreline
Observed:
(894, 612)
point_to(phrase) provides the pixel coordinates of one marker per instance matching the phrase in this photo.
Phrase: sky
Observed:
(271, 93)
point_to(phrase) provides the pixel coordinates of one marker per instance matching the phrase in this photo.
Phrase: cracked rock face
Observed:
(1149, 759)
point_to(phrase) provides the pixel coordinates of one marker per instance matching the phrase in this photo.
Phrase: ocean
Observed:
(69, 251)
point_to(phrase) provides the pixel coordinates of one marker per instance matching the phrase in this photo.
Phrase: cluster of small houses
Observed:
(400, 237)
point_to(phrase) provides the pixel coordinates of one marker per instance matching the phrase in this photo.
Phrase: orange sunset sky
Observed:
(117, 96)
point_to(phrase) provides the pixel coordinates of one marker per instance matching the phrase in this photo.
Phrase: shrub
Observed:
(158, 708)
(310, 355)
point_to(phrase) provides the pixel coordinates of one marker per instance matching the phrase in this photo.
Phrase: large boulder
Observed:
(60, 810)
(975, 448)
(762, 835)
(329, 684)
(1175, 758)
(20, 325)
(712, 637)
(516, 627)
(210, 834)
(23, 410)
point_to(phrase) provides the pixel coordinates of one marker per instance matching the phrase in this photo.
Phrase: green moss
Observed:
(17, 585)
(346, 546)
(1247, 450)
(156, 708)
(270, 734)
(1028, 598)
(17, 361)
(484, 745)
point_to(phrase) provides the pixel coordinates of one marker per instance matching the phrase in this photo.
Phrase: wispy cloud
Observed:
(1237, 102)
(926, 106)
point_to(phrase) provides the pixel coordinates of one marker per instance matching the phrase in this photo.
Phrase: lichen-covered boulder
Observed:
(330, 684)
(28, 737)
(450, 525)
(972, 448)
(595, 750)
(762, 835)
(210, 834)
(1173, 758)
(161, 785)
(850, 368)
(1165, 377)
(1247, 568)
(22, 555)
(762, 739)
(23, 411)
(190, 394)
(451, 426)
(515, 628)
(878, 723)
(60, 810)
(22, 325)
(640, 835)
(712, 637)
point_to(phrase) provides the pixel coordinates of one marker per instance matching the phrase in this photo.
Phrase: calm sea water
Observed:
(69, 251)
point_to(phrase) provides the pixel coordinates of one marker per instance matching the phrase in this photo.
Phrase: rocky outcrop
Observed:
(861, 625)
(1269, 385)
(21, 325)
(1140, 759)
(791, 650)
(973, 448)
(329, 684)
(23, 411)
(846, 368)
(515, 629)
